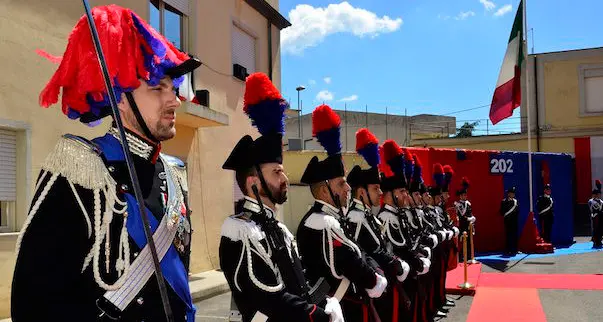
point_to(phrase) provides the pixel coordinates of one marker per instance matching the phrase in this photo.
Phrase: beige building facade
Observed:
(219, 33)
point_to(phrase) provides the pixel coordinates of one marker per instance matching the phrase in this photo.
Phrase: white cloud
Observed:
(324, 96)
(310, 25)
(488, 5)
(327, 80)
(503, 10)
(349, 98)
(312, 82)
(443, 17)
(464, 15)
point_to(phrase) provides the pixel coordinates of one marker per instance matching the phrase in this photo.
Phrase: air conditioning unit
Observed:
(295, 144)
(239, 72)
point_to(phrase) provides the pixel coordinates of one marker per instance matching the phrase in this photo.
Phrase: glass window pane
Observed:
(154, 15)
(173, 26)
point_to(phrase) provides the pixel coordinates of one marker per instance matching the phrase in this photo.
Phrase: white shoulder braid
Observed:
(387, 218)
(356, 216)
(236, 228)
(319, 221)
(79, 162)
(250, 234)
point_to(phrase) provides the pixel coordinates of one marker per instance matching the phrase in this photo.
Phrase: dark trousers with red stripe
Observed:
(394, 305)
(356, 310)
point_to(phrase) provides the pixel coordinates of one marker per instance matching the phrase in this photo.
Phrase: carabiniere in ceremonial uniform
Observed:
(82, 253)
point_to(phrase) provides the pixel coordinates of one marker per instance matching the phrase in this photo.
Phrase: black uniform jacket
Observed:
(253, 278)
(322, 256)
(48, 282)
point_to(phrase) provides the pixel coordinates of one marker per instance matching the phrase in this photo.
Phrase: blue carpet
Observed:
(577, 248)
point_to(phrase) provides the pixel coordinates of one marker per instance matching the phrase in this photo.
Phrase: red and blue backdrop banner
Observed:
(491, 173)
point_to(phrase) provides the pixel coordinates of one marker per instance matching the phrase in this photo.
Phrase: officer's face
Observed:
(511, 195)
(427, 198)
(157, 104)
(375, 193)
(401, 193)
(341, 189)
(416, 196)
(437, 199)
(277, 182)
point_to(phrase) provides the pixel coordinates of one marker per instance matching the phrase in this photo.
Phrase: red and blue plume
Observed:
(409, 167)
(448, 173)
(598, 184)
(133, 51)
(325, 127)
(367, 145)
(438, 174)
(383, 166)
(417, 174)
(264, 104)
(465, 182)
(392, 153)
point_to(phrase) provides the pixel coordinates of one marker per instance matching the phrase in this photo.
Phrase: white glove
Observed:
(456, 231)
(449, 234)
(376, 291)
(333, 308)
(434, 240)
(442, 234)
(428, 251)
(426, 265)
(471, 219)
(405, 271)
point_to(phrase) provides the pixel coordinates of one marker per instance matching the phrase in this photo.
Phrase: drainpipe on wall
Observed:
(269, 49)
(536, 104)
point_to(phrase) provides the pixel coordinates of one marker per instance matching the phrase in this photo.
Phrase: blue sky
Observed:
(426, 56)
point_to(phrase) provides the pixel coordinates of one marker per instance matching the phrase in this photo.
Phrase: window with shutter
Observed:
(8, 178)
(243, 49)
(8, 165)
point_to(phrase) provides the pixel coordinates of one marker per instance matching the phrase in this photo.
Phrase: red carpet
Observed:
(456, 277)
(506, 304)
(542, 281)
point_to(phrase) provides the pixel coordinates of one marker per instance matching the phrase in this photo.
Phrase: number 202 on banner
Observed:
(498, 166)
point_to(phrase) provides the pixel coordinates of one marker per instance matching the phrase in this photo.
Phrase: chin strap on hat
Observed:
(264, 184)
(139, 119)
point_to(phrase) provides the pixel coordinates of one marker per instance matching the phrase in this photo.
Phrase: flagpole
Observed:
(528, 105)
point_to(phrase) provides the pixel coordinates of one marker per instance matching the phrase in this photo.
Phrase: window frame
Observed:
(236, 24)
(585, 71)
(19, 208)
(162, 6)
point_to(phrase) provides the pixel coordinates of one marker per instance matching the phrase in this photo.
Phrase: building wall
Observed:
(29, 25)
(398, 127)
(559, 88)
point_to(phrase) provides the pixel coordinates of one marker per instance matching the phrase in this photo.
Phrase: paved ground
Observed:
(558, 305)
(215, 309)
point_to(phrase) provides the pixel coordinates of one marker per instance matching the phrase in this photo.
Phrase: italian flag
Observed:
(507, 95)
